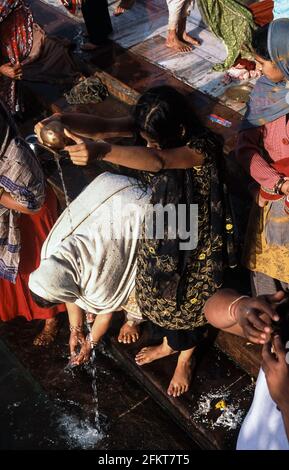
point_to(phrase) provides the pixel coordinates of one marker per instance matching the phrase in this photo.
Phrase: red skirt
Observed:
(15, 299)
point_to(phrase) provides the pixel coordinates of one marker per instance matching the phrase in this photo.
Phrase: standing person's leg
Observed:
(97, 21)
(183, 23)
(174, 341)
(183, 373)
(184, 341)
(130, 330)
(178, 11)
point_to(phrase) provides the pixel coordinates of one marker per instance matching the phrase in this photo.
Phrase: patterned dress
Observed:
(172, 286)
(231, 22)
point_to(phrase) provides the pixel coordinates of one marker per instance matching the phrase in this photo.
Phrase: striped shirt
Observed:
(274, 138)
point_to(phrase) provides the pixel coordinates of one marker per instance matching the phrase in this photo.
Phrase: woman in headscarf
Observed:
(89, 259)
(262, 150)
(27, 53)
(28, 209)
(174, 279)
(97, 20)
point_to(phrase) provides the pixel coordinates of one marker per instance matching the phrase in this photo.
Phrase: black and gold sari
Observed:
(172, 286)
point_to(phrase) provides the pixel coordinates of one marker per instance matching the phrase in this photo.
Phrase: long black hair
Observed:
(166, 116)
(260, 42)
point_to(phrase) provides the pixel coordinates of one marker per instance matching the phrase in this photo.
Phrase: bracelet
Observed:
(92, 343)
(279, 184)
(77, 329)
(233, 303)
(270, 196)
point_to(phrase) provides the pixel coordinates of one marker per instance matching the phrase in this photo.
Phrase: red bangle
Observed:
(269, 196)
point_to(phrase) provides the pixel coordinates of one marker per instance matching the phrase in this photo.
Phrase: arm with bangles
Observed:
(248, 154)
(100, 327)
(250, 317)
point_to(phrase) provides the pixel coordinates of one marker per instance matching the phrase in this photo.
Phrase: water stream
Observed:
(88, 325)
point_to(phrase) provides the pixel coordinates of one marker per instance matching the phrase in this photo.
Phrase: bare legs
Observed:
(183, 373)
(178, 39)
(129, 332)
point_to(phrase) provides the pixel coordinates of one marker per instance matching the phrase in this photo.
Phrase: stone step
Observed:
(216, 378)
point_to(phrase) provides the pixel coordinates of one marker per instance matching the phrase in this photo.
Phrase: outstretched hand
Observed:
(82, 151)
(255, 316)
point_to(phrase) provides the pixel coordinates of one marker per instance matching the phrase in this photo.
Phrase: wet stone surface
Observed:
(45, 405)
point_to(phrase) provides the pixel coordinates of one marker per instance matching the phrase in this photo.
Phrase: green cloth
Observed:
(231, 22)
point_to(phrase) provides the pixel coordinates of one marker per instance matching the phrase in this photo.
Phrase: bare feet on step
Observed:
(190, 40)
(152, 353)
(48, 334)
(177, 44)
(174, 42)
(182, 377)
(129, 332)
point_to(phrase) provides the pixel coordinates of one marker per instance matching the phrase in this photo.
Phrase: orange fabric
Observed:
(15, 299)
(262, 12)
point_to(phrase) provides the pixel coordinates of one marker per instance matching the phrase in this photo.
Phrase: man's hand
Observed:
(276, 371)
(39, 126)
(254, 315)
(11, 71)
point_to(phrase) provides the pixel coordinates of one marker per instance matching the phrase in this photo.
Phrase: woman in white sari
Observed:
(89, 258)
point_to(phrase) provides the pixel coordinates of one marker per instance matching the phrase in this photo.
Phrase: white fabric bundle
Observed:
(93, 263)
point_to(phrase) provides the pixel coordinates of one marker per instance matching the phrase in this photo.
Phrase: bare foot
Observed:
(182, 377)
(48, 334)
(129, 333)
(177, 44)
(152, 353)
(187, 38)
(123, 6)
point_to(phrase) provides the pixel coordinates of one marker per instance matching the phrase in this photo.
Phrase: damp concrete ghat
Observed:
(224, 371)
